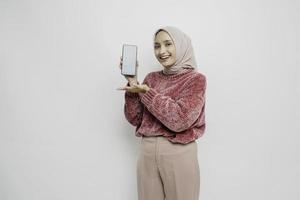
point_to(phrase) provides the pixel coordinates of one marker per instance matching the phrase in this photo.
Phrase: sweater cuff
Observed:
(131, 94)
(148, 97)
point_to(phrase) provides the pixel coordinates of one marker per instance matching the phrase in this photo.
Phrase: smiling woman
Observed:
(168, 110)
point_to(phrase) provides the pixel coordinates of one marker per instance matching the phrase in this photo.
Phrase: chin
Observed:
(168, 65)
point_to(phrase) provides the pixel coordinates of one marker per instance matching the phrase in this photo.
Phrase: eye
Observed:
(168, 44)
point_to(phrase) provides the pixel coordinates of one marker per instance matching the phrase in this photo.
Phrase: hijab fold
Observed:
(185, 58)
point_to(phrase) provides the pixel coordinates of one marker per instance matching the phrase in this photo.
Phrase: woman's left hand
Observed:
(136, 88)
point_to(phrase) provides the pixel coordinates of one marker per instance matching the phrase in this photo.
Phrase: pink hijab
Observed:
(184, 50)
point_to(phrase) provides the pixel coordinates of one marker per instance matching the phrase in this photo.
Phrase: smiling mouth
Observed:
(164, 59)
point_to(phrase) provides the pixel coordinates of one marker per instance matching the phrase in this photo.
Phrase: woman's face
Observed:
(164, 49)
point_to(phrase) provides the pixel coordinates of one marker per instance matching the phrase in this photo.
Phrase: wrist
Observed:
(130, 83)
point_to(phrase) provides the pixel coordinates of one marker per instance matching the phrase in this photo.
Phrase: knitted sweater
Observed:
(174, 107)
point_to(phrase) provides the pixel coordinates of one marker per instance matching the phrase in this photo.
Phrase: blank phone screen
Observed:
(129, 56)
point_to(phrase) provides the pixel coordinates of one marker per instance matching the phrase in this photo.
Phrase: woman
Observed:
(168, 110)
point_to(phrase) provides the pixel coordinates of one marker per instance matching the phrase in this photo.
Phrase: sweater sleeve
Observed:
(177, 115)
(133, 108)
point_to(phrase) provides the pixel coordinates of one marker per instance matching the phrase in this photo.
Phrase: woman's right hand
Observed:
(130, 78)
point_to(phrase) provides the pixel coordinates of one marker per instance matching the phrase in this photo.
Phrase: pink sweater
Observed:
(174, 107)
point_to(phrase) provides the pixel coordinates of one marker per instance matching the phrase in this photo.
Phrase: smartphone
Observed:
(129, 56)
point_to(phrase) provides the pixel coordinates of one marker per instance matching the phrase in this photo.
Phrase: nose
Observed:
(162, 50)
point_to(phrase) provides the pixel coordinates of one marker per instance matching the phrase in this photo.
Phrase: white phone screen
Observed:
(129, 56)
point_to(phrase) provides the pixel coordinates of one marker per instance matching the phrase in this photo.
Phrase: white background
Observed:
(63, 134)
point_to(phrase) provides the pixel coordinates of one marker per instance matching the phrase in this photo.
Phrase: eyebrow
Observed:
(164, 41)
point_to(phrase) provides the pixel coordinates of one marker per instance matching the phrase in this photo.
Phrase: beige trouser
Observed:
(166, 170)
